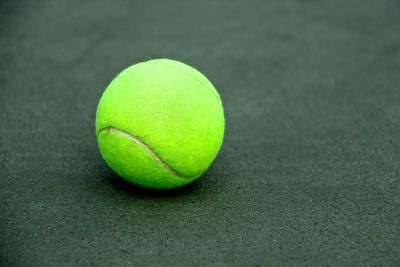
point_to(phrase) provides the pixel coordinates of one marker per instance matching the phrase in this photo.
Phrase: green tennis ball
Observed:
(160, 124)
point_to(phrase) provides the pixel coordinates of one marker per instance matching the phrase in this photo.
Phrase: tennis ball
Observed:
(160, 124)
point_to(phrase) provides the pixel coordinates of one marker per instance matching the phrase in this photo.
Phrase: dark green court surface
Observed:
(309, 173)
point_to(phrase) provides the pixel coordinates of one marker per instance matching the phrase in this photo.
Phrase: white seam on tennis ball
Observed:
(189, 75)
(136, 140)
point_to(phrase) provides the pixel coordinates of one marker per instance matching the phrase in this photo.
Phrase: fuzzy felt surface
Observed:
(170, 107)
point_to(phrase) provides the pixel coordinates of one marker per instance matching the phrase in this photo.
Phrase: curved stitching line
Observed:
(136, 140)
(191, 76)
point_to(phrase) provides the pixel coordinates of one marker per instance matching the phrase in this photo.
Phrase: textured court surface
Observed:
(309, 174)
